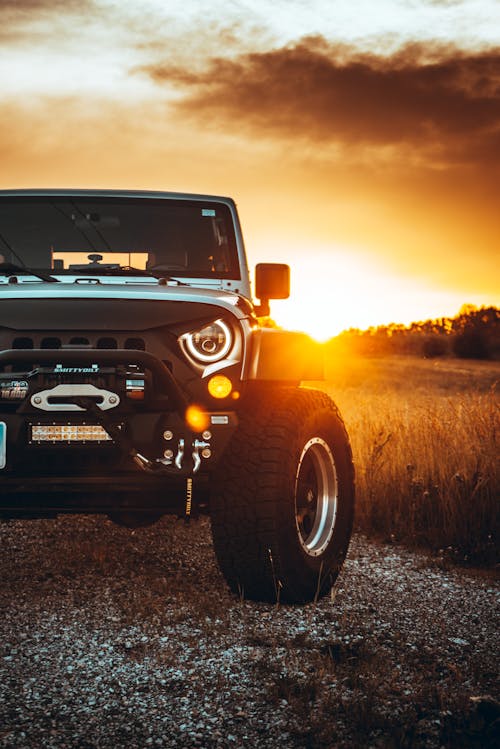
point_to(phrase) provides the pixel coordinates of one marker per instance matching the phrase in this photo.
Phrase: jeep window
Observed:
(64, 234)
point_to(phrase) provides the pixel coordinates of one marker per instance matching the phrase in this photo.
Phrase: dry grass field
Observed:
(425, 437)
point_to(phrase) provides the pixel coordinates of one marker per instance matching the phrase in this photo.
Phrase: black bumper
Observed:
(40, 477)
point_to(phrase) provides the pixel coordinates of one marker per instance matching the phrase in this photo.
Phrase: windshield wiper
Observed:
(10, 269)
(159, 275)
(106, 271)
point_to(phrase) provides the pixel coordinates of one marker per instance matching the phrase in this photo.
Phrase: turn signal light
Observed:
(220, 386)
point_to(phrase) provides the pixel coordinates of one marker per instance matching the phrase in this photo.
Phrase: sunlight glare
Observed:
(342, 290)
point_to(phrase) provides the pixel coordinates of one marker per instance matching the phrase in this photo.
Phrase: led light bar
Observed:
(69, 433)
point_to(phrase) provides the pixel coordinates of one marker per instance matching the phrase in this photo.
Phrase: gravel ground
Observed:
(118, 638)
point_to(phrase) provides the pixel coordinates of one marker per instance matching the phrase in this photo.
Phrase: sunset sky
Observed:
(360, 139)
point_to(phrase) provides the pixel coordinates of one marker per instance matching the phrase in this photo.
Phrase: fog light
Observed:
(196, 418)
(220, 386)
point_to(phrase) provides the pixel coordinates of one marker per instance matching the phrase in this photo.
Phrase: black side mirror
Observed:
(272, 281)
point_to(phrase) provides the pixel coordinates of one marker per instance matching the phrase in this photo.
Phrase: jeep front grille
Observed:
(55, 342)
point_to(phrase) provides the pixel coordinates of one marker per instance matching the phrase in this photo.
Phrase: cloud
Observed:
(439, 100)
(20, 19)
(444, 3)
(21, 8)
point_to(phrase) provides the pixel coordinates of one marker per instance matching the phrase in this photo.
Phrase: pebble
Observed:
(119, 651)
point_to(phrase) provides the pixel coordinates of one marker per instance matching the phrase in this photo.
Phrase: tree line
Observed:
(474, 333)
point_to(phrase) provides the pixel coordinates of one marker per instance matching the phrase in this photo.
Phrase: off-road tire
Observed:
(259, 503)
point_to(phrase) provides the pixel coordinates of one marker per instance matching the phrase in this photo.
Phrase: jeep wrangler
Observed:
(136, 380)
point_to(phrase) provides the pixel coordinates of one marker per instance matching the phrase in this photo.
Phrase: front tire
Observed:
(282, 507)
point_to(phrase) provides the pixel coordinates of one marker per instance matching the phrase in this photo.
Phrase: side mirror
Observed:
(272, 281)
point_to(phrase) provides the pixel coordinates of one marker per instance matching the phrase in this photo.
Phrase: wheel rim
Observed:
(316, 496)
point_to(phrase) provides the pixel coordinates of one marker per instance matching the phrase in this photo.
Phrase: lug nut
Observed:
(167, 434)
(112, 399)
(37, 399)
(207, 435)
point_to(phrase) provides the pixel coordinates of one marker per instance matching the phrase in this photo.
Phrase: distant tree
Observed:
(474, 333)
(477, 333)
(434, 345)
(268, 322)
(470, 345)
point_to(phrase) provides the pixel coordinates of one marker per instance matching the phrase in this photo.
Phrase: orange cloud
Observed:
(392, 158)
(441, 101)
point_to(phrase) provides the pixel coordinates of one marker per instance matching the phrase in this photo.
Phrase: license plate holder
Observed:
(3, 444)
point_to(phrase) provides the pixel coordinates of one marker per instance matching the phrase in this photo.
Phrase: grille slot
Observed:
(55, 342)
(22, 343)
(50, 342)
(135, 344)
(107, 343)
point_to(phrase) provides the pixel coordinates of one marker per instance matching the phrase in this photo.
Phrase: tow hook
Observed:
(158, 464)
(180, 454)
(197, 446)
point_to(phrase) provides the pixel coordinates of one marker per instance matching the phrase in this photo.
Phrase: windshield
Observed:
(68, 234)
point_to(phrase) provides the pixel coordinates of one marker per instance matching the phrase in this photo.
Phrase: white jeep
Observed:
(136, 380)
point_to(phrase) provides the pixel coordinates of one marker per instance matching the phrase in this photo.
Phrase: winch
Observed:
(54, 388)
(13, 389)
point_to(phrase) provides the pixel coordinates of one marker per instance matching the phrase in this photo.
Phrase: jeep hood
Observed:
(113, 306)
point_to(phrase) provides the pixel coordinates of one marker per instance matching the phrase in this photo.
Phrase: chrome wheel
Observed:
(316, 493)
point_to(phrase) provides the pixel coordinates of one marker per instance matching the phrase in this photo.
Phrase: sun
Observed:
(330, 291)
(334, 291)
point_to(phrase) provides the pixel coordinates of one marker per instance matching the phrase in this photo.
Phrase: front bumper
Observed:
(48, 462)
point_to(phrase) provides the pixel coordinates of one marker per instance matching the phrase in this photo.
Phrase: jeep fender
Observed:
(285, 356)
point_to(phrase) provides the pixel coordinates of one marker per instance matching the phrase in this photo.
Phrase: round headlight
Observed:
(210, 344)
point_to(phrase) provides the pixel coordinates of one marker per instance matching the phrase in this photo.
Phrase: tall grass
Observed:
(425, 439)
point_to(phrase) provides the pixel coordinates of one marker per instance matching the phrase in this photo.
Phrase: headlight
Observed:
(210, 344)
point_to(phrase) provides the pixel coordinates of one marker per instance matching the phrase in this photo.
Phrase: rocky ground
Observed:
(117, 638)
